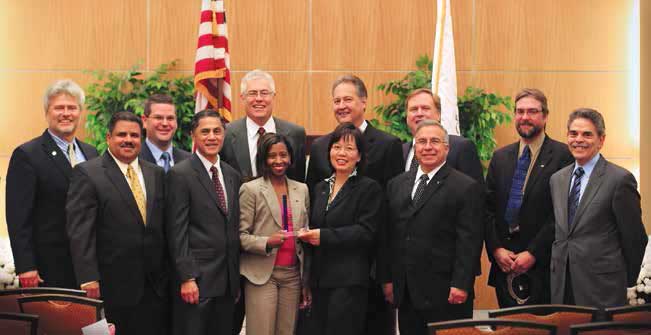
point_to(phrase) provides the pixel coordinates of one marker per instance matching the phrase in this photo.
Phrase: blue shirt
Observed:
(157, 153)
(587, 168)
(63, 145)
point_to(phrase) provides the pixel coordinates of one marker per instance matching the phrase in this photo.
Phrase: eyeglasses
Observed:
(160, 118)
(262, 94)
(346, 149)
(529, 111)
(432, 141)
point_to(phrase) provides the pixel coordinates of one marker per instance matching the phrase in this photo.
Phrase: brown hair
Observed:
(157, 99)
(435, 97)
(536, 94)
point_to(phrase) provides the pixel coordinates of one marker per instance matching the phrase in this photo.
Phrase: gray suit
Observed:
(236, 147)
(605, 244)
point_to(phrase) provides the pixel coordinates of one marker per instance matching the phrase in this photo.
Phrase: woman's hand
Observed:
(276, 239)
(312, 236)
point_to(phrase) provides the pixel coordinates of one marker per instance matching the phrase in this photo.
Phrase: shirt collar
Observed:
(534, 146)
(206, 163)
(61, 143)
(123, 166)
(156, 151)
(252, 127)
(430, 175)
(363, 126)
(589, 166)
(332, 178)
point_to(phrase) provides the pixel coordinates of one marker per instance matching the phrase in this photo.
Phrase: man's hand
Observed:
(312, 236)
(388, 292)
(29, 279)
(92, 289)
(190, 292)
(276, 239)
(307, 297)
(504, 259)
(523, 262)
(457, 296)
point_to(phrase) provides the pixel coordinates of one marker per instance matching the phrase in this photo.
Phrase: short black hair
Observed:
(264, 145)
(203, 114)
(347, 130)
(123, 116)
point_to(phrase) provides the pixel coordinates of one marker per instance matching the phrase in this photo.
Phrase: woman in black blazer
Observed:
(345, 210)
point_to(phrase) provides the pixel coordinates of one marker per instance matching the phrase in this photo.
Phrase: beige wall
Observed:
(575, 51)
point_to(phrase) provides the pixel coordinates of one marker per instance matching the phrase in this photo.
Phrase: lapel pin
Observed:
(542, 165)
(54, 153)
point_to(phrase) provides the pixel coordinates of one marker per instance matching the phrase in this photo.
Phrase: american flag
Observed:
(212, 76)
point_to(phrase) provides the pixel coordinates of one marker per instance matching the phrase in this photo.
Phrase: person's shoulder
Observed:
(293, 127)
(228, 169)
(505, 150)
(382, 135)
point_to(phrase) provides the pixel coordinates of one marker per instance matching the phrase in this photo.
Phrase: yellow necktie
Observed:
(71, 155)
(136, 190)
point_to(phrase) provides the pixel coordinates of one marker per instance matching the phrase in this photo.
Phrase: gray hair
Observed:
(257, 74)
(589, 114)
(433, 123)
(64, 86)
(360, 88)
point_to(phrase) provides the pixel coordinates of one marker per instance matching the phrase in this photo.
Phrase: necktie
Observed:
(136, 190)
(517, 187)
(575, 193)
(221, 198)
(166, 160)
(420, 189)
(71, 154)
(414, 164)
(261, 131)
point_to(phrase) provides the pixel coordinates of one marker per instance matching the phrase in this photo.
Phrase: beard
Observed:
(533, 132)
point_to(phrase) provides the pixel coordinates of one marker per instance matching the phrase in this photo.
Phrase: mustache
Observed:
(580, 145)
(127, 145)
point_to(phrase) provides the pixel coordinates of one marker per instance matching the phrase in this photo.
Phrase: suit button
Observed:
(408, 238)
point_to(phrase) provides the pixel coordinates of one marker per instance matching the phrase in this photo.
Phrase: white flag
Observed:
(444, 70)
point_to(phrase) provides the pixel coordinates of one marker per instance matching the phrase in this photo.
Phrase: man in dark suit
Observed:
(600, 239)
(159, 121)
(384, 161)
(203, 230)
(421, 105)
(241, 143)
(115, 225)
(37, 184)
(429, 254)
(519, 205)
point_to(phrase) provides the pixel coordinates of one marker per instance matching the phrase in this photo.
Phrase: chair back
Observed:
(492, 327)
(18, 324)
(9, 298)
(562, 316)
(639, 313)
(62, 314)
(612, 328)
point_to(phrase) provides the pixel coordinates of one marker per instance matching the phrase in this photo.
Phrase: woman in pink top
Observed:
(272, 208)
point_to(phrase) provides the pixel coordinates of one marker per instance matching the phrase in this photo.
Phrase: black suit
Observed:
(462, 156)
(339, 266)
(37, 184)
(383, 160)
(204, 244)
(431, 246)
(111, 244)
(178, 155)
(534, 217)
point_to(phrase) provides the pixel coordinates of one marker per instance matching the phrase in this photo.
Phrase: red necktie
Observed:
(221, 198)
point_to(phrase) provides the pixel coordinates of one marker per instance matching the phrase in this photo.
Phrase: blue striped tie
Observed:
(575, 194)
(166, 160)
(517, 186)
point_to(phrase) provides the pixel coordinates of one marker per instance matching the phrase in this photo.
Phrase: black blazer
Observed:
(348, 233)
(179, 154)
(204, 242)
(536, 210)
(236, 147)
(108, 239)
(37, 183)
(462, 156)
(383, 161)
(435, 245)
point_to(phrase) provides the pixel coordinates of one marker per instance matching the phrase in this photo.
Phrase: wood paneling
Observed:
(173, 32)
(73, 34)
(580, 35)
(645, 115)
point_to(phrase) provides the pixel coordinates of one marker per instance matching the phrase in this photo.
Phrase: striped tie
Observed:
(575, 195)
(71, 155)
(517, 187)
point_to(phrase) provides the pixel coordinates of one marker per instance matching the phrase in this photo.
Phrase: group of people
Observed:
(189, 243)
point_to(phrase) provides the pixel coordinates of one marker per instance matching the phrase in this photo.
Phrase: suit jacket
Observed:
(434, 245)
(462, 156)
(37, 183)
(179, 154)
(606, 242)
(348, 233)
(236, 147)
(204, 241)
(535, 215)
(260, 216)
(383, 158)
(108, 239)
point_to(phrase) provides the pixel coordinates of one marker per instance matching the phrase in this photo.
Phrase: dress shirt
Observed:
(419, 173)
(362, 127)
(534, 148)
(158, 153)
(136, 167)
(252, 136)
(207, 165)
(587, 168)
(63, 145)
